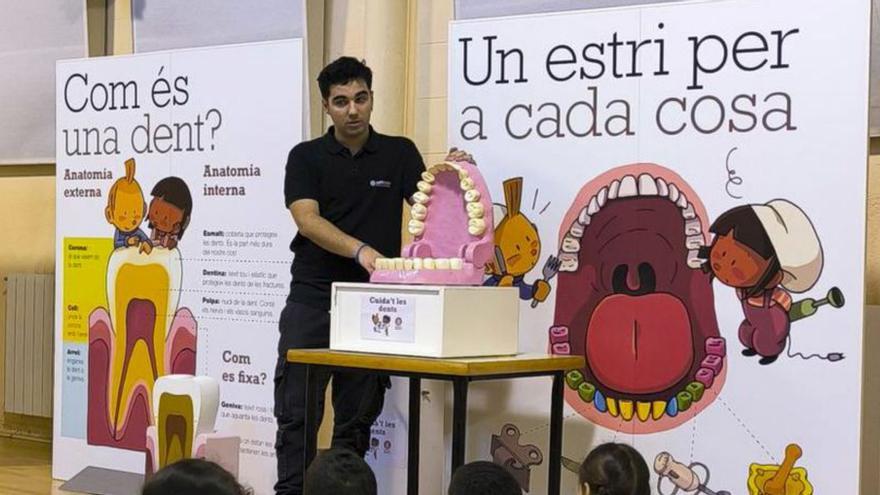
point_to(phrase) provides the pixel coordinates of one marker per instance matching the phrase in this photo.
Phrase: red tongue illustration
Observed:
(639, 344)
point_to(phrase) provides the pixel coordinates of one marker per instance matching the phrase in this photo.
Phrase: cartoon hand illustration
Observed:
(146, 247)
(131, 241)
(506, 281)
(542, 290)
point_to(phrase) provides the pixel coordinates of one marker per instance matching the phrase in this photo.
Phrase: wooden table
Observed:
(460, 372)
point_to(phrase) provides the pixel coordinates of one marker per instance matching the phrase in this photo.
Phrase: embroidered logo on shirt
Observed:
(380, 183)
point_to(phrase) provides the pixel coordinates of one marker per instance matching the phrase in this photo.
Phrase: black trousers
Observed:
(357, 397)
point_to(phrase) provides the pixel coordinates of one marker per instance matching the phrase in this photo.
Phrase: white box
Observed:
(424, 320)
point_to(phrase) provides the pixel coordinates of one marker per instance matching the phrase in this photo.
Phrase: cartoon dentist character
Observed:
(766, 252)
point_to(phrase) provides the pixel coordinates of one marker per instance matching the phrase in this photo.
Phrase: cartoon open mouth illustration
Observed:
(633, 301)
(142, 337)
(453, 230)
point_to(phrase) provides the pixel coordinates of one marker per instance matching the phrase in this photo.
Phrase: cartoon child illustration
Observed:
(386, 321)
(374, 446)
(169, 212)
(517, 249)
(766, 252)
(125, 211)
(398, 323)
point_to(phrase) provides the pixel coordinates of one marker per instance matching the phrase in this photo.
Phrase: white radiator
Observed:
(30, 316)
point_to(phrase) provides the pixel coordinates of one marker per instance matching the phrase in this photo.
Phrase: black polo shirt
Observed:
(362, 195)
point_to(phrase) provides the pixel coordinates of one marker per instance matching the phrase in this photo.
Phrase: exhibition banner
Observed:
(680, 196)
(172, 256)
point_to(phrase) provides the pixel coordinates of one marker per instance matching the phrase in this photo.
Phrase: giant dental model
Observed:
(453, 229)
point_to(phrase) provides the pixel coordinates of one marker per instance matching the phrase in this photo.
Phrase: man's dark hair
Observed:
(340, 472)
(342, 71)
(193, 477)
(483, 478)
(615, 469)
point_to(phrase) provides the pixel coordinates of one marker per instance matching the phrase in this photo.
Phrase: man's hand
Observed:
(367, 258)
(457, 155)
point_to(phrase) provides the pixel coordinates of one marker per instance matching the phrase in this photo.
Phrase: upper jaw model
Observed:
(453, 230)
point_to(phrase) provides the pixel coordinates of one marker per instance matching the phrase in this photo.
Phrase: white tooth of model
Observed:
(419, 211)
(442, 263)
(466, 184)
(424, 187)
(428, 263)
(428, 177)
(475, 210)
(420, 197)
(472, 195)
(476, 226)
(456, 263)
(416, 227)
(417, 263)
(407, 264)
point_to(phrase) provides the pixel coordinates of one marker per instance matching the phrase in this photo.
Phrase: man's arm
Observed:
(316, 228)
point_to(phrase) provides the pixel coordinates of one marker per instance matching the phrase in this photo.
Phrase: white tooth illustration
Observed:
(602, 196)
(416, 227)
(694, 241)
(682, 201)
(570, 245)
(593, 207)
(472, 195)
(688, 212)
(428, 177)
(613, 189)
(693, 259)
(692, 227)
(456, 263)
(568, 262)
(407, 264)
(584, 217)
(398, 263)
(628, 187)
(673, 193)
(184, 406)
(476, 226)
(428, 263)
(466, 184)
(647, 186)
(420, 197)
(662, 188)
(424, 187)
(442, 263)
(576, 230)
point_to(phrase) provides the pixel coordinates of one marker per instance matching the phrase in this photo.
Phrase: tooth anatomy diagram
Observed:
(633, 300)
(142, 334)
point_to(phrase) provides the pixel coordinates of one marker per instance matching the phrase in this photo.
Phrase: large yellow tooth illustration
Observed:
(142, 290)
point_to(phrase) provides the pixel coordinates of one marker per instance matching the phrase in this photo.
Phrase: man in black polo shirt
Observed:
(345, 191)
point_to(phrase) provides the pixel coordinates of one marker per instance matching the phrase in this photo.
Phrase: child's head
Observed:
(483, 478)
(171, 206)
(125, 201)
(341, 472)
(614, 469)
(742, 255)
(193, 477)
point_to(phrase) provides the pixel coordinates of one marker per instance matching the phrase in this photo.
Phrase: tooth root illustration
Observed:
(516, 458)
(142, 337)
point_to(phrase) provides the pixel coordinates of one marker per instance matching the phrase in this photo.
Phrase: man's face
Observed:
(349, 106)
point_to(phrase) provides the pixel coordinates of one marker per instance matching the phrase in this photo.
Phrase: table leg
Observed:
(412, 448)
(555, 463)
(459, 421)
(310, 434)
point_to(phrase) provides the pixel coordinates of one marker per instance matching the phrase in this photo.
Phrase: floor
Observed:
(26, 468)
